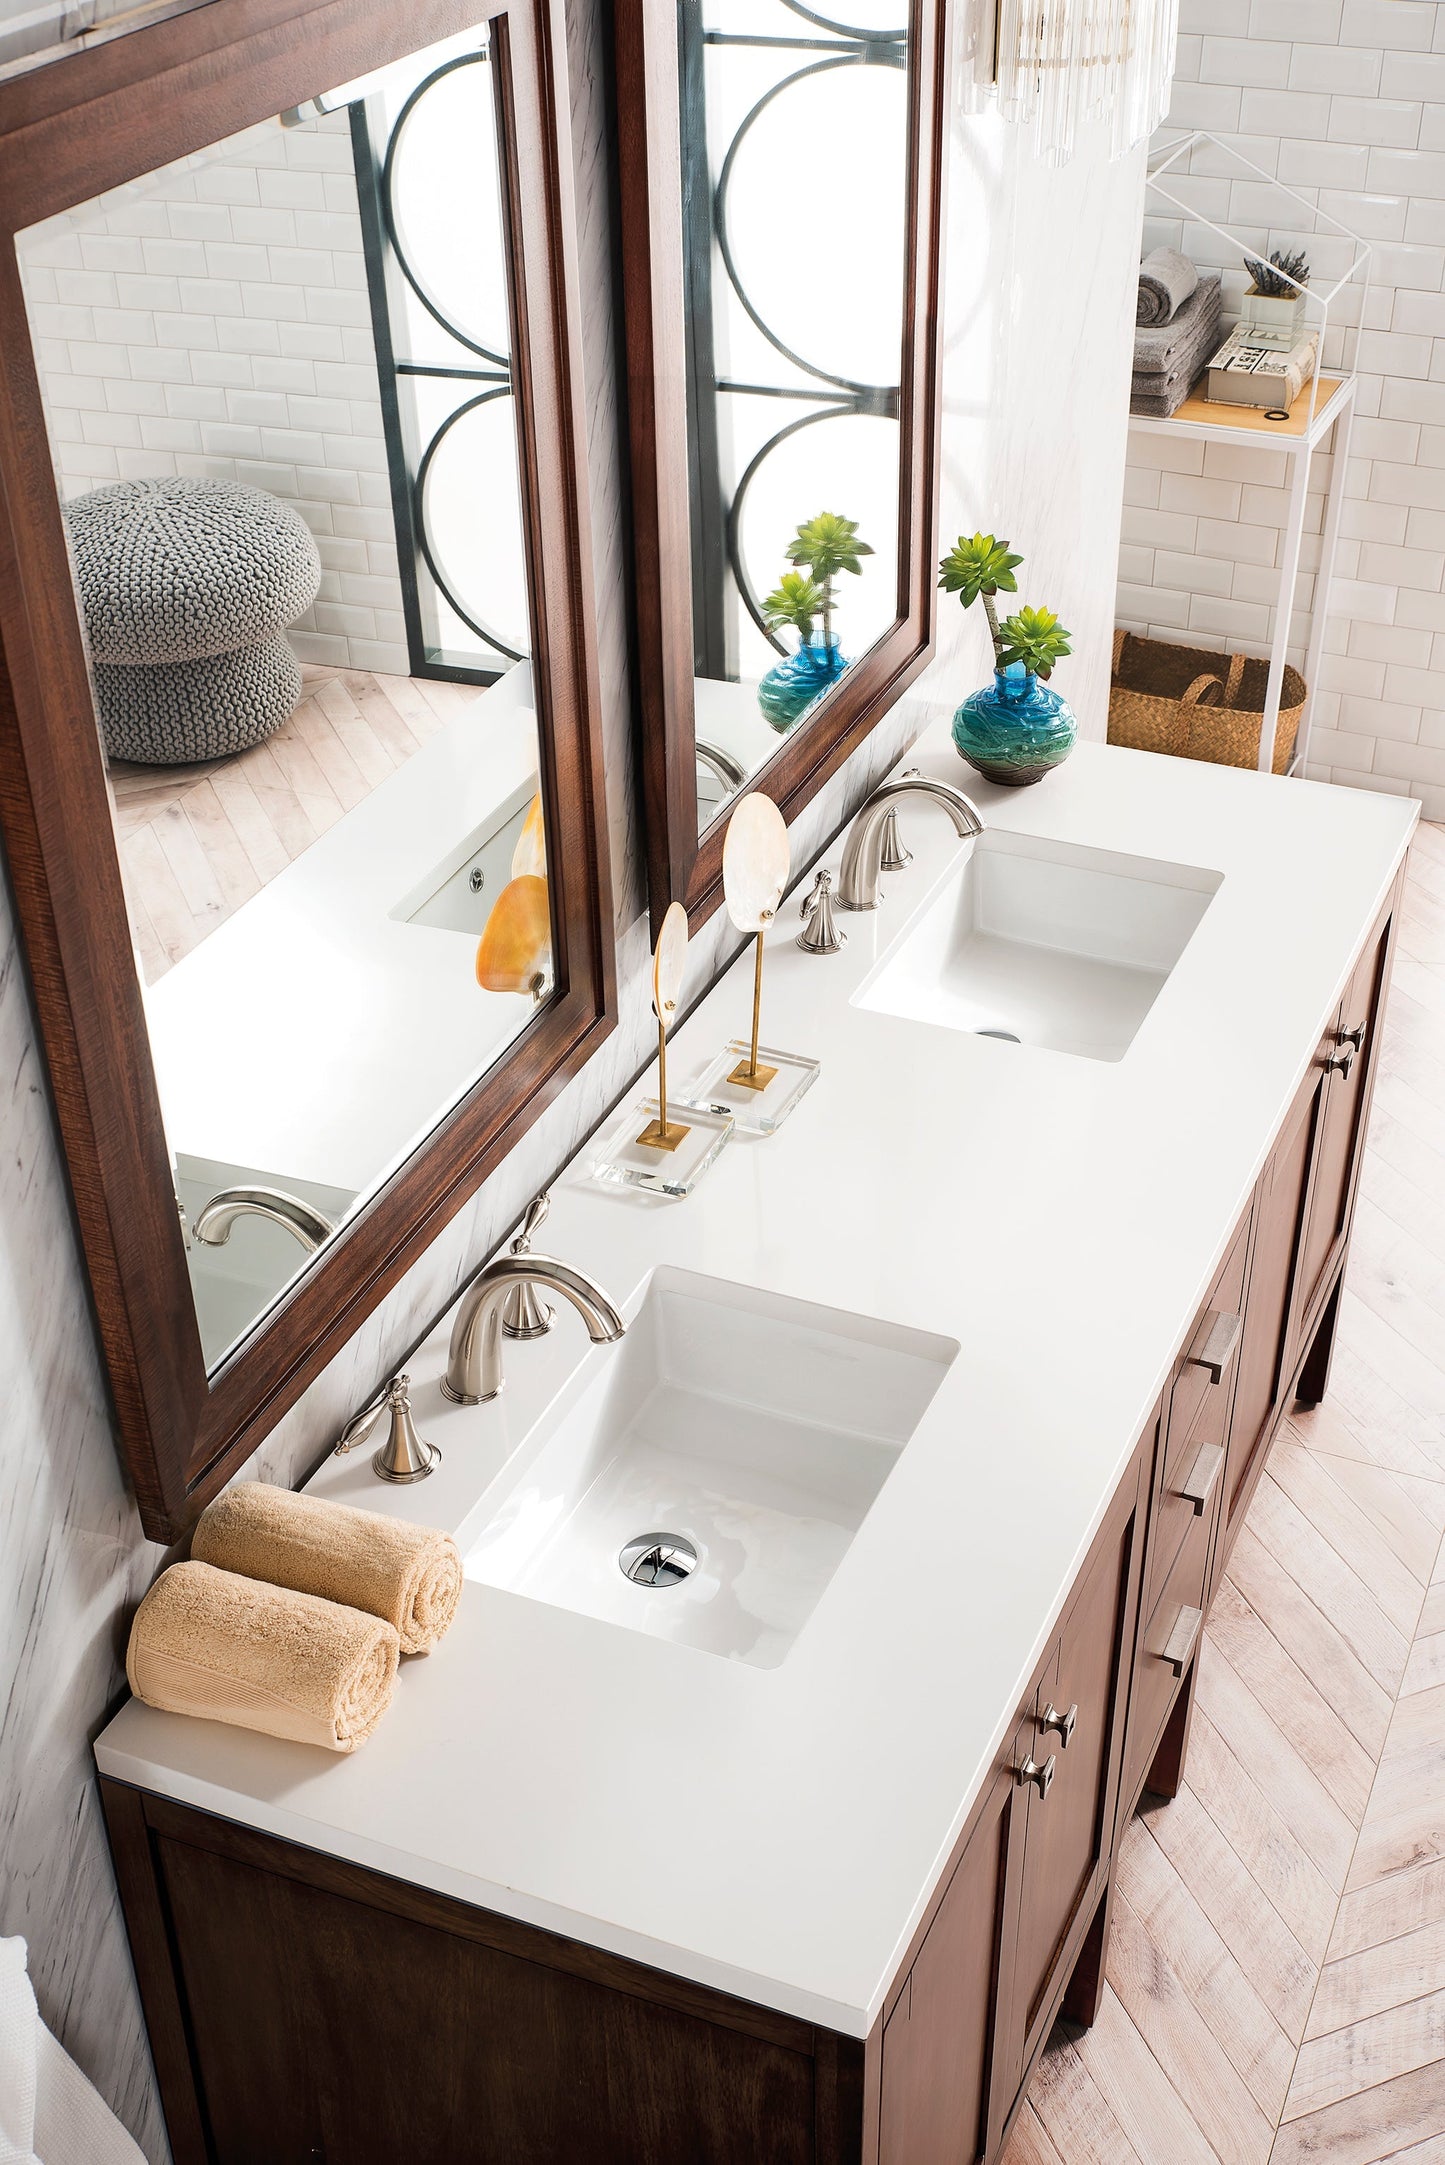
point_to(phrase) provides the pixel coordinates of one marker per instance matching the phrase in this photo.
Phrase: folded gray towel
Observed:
(1152, 408)
(1158, 350)
(1166, 280)
(1190, 363)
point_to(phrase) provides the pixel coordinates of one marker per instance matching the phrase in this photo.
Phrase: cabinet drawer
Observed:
(1198, 1417)
(1166, 1647)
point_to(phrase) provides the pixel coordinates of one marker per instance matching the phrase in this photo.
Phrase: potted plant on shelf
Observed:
(1015, 729)
(822, 547)
(1272, 311)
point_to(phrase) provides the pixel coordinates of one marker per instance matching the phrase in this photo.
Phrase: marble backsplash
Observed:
(1034, 426)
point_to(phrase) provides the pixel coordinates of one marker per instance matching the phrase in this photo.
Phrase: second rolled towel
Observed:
(261, 1657)
(411, 1575)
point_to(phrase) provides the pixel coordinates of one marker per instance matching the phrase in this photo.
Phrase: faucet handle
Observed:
(536, 1217)
(525, 1314)
(405, 1456)
(821, 933)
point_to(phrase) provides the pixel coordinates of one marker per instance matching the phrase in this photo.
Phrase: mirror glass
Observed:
(277, 377)
(794, 161)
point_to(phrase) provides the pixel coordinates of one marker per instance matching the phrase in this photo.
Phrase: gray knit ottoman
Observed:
(187, 587)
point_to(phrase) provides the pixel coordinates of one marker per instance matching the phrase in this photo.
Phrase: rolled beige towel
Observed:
(411, 1575)
(262, 1657)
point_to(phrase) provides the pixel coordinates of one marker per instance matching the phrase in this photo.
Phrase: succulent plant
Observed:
(826, 545)
(795, 600)
(978, 568)
(1034, 637)
(1268, 279)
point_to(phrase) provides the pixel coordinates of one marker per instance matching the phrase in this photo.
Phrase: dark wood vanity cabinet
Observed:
(304, 2010)
(1303, 1207)
(976, 2003)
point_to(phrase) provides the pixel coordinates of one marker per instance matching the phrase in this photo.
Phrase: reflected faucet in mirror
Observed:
(863, 851)
(474, 1358)
(213, 1224)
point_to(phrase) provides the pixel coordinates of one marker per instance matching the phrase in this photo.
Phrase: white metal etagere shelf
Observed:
(1326, 405)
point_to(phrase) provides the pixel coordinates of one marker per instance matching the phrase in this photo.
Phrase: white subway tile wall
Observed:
(214, 320)
(1345, 101)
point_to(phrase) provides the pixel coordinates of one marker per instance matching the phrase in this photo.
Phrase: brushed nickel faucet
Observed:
(474, 1358)
(213, 1225)
(863, 851)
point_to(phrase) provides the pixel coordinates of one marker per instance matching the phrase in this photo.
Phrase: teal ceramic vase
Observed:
(1015, 729)
(791, 686)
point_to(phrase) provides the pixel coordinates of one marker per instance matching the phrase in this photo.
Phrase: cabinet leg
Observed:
(1085, 1992)
(1314, 1378)
(1166, 1776)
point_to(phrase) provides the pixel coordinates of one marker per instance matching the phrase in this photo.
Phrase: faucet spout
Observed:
(213, 1225)
(474, 1358)
(863, 851)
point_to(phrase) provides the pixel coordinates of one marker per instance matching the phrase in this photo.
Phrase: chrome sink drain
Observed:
(658, 1560)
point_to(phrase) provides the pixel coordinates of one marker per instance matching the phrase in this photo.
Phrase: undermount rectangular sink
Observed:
(754, 1431)
(1043, 943)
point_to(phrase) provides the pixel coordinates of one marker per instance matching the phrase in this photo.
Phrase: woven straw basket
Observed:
(1171, 699)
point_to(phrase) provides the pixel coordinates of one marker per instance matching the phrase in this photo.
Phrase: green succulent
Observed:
(981, 566)
(828, 544)
(1034, 637)
(796, 600)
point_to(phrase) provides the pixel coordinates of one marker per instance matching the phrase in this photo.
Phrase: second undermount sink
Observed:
(1043, 943)
(706, 1480)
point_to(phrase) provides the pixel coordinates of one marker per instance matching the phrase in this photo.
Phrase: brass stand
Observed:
(658, 1135)
(753, 1075)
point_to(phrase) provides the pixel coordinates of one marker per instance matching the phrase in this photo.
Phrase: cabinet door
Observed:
(942, 2038)
(1266, 1347)
(1349, 1063)
(1076, 1730)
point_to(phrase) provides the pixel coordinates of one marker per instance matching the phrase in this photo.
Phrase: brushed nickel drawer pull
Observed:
(1179, 1645)
(1198, 1485)
(1339, 1063)
(1355, 1037)
(1042, 1777)
(1051, 1718)
(1220, 1340)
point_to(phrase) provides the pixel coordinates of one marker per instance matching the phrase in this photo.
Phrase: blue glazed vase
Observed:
(1015, 729)
(790, 686)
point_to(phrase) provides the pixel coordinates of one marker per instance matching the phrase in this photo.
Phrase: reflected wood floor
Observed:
(1276, 1979)
(196, 842)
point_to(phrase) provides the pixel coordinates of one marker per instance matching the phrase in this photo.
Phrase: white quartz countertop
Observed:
(777, 1832)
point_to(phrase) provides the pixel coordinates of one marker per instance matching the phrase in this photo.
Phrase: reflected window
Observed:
(427, 159)
(794, 157)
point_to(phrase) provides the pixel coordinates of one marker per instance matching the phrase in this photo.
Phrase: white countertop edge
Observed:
(411, 1871)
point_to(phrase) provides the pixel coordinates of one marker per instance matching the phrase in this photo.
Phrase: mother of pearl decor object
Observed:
(647, 1147)
(757, 1084)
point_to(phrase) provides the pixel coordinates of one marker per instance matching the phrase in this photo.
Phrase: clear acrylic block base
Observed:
(757, 1112)
(621, 1160)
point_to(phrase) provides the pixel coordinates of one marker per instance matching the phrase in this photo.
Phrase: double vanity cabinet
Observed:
(827, 1909)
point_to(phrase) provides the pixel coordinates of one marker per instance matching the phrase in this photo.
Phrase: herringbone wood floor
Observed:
(1277, 1971)
(197, 842)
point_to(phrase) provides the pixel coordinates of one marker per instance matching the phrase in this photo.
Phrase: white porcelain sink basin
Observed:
(757, 1430)
(1046, 943)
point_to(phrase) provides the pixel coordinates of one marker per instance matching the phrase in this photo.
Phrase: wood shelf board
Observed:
(1198, 412)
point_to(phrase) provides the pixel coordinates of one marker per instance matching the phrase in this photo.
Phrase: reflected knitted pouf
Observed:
(175, 713)
(187, 586)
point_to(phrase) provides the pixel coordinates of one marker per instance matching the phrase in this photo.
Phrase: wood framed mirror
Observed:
(781, 188)
(300, 765)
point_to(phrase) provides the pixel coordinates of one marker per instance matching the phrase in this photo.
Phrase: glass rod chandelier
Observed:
(1056, 63)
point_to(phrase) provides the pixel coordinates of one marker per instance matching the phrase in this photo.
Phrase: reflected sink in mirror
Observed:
(758, 1430)
(457, 894)
(1043, 943)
